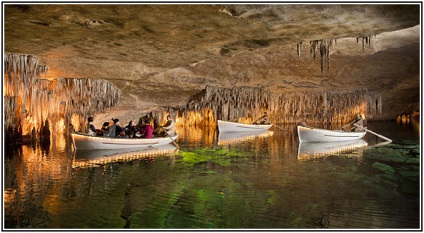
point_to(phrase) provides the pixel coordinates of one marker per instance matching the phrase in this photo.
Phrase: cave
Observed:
(315, 63)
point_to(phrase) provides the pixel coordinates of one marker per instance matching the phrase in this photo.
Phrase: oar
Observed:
(173, 141)
(376, 134)
(379, 144)
(279, 127)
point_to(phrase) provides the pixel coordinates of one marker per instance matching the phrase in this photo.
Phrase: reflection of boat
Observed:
(90, 157)
(226, 126)
(232, 137)
(307, 134)
(83, 141)
(308, 150)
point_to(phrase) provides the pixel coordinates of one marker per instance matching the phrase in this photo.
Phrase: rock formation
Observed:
(161, 58)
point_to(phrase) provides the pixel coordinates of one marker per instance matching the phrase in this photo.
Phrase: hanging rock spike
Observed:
(30, 100)
(245, 104)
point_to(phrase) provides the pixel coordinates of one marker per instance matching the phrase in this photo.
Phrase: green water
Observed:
(253, 183)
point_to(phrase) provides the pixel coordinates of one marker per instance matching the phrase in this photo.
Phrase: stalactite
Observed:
(299, 48)
(313, 48)
(245, 104)
(324, 49)
(365, 40)
(325, 46)
(30, 100)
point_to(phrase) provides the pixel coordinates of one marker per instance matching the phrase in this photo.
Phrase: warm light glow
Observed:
(37, 166)
(123, 157)
(9, 195)
(241, 138)
(60, 126)
(53, 74)
(204, 117)
(31, 98)
(329, 150)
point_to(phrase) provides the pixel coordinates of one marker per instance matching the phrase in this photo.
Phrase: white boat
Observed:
(307, 134)
(236, 137)
(226, 126)
(310, 150)
(96, 157)
(84, 141)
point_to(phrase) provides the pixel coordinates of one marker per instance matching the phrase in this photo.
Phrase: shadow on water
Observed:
(219, 181)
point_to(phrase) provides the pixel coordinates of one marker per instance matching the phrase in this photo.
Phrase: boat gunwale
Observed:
(244, 124)
(329, 130)
(111, 138)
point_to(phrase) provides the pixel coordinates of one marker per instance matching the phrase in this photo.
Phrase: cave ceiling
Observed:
(161, 54)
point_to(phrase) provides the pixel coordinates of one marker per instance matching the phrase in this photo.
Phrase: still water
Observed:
(261, 181)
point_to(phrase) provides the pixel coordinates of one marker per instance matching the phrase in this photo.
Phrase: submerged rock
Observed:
(386, 154)
(387, 169)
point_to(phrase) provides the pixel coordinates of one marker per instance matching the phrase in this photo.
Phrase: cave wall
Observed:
(246, 104)
(245, 59)
(33, 104)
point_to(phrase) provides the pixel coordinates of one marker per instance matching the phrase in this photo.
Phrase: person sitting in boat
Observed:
(157, 129)
(120, 131)
(147, 131)
(168, 128)
(139, 129)
(262, 120)
(115, 130)
(92, 131)
(105, 126)
(130, 129)
(357, 124)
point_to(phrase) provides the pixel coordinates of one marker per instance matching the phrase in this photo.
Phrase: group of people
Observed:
(146, 128)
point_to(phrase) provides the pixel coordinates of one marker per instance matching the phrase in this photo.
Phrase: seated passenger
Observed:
(130, 129)
(169, 127)
(147, 131)
(105, 126)
(156, 126)
(120, 131)
(262, 120)
(357, 124)
(140, 128)
(92, 131)
(114, 130)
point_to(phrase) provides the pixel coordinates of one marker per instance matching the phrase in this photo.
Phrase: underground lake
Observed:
(262, 181)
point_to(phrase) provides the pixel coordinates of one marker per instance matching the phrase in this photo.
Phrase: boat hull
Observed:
(83, 141)
(307, 134)
(226, 126)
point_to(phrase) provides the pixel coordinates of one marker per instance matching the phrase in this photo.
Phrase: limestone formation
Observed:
(68, 61)
(30, 100)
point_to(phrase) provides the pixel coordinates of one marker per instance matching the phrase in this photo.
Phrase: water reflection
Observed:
(235, 137)
(215, 182)
(311, 150)
(86, 157)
